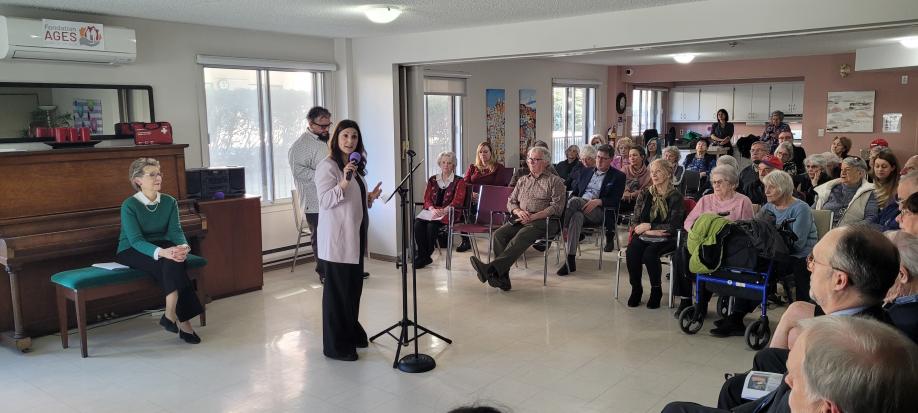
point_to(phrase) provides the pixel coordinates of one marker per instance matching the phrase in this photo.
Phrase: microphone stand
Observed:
(416, 362)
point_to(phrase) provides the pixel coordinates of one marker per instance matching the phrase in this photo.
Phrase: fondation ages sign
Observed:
(73, 35)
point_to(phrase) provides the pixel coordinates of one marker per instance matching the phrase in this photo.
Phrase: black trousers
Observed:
(647, 254)
(772, 360)
(425, 237)
(801, 279)
(170, 276)
(341, 331)
(312, 219)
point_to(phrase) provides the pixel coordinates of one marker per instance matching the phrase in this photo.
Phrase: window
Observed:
(574, 117)
(253, 117)
(443, 126)
(646, 110)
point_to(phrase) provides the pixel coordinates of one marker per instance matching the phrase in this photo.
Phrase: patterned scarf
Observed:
(658, 205)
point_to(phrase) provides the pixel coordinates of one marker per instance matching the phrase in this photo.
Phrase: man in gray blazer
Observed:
(310, 149)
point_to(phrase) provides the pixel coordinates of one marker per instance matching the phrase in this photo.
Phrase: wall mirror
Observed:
(28, 109)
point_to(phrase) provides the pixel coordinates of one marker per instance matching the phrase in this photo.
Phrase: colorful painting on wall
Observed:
(527, 122)
(496, 121)
(87, 113)
(850, 111)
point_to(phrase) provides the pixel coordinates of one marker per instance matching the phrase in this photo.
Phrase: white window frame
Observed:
(455, 133)
(641, 120)
(589, 117)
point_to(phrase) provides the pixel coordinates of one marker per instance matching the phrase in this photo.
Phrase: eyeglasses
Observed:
(718, 182)
(321, 125)
(154, 175)
(811, 263)
(534, 159)
(604, 158)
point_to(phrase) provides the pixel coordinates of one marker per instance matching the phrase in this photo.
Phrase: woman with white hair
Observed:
(444, 190)
(620, 159)
(597, 140)
(672, 155)
(570, 164)
(727, 160)
(850, 197)
(832, 163)
(785, 152)
(815, 174)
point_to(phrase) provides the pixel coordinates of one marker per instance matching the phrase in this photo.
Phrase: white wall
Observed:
(375, 57)
(166, 61)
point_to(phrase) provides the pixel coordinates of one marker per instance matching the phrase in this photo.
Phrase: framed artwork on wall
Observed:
(850, 111)
(527, 122)
(495, 120)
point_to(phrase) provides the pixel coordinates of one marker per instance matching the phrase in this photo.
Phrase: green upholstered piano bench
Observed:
(90, 283)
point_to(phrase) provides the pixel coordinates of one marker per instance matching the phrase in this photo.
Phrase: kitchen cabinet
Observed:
(714, 98)
(751, 102)
(787, 97)
(684, 104)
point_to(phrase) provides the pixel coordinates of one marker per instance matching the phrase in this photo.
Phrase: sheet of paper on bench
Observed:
(110, 266)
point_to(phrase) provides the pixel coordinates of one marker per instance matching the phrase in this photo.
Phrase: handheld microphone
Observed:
(354, 158)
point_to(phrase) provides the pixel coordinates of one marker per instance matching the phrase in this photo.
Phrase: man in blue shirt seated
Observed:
(594, 190)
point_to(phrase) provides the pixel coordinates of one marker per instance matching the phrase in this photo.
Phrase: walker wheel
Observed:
(689, 322)
(758, 334)
(723, 306)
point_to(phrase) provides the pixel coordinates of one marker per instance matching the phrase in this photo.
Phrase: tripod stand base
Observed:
(416, 363)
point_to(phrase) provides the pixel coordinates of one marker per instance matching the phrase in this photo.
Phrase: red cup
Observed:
(74, 135)
(61, 134)
(84, 134)
(43, 132)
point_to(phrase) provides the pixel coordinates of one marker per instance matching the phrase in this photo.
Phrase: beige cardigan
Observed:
(340, 214)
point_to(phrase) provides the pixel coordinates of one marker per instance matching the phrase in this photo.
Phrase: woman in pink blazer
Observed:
(342, 241)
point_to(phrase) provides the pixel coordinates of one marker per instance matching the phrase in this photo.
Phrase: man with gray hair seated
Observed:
(849, 197)
(840, 364)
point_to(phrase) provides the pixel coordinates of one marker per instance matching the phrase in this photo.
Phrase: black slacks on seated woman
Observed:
(425, 237)
(169, 275)
(639, 253)
(341, 332)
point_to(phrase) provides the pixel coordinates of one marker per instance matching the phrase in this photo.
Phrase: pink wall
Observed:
(820, 74)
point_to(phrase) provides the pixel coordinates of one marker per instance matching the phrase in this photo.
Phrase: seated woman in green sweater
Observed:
(152, 241)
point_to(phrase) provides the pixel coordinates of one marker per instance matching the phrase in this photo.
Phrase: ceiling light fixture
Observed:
(910, 42)
(684, 58)
(383, 14)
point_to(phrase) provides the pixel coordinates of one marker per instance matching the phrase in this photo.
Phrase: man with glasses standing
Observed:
(310, 149)
(593, 190)
(536, 196)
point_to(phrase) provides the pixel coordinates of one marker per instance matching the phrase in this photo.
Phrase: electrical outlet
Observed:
(681, 132)
(821, 132)
(904, 79)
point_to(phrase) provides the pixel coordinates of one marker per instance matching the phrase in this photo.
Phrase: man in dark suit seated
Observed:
(593, 190)
(839, 364)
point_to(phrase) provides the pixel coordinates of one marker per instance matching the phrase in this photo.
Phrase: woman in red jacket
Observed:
(482, 172)
(444, 190)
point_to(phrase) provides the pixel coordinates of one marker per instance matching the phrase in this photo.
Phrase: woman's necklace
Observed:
(155, 206)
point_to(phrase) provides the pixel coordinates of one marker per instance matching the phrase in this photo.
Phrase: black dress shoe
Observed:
(480, 268)
(504, 280)
(656, 294)
(346, 357)
(170, 326)
(728, 328)
(366, 275)
(494, 280)
(464, 246)
(635, 299)
(190, 338)
(539, 246)
(363, 344)
(570, 267)
(610, 244)
(422, 262)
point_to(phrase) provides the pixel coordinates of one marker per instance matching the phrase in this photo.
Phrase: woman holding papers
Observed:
(444, 190)
(152, 241)
(343, 203)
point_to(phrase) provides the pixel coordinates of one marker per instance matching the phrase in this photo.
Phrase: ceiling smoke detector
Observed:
(383, 14)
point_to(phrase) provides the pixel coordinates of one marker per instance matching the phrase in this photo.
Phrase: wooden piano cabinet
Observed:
(232, 246)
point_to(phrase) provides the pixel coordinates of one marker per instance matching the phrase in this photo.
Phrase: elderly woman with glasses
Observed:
(152, 241)
(815, 174)
(849, 197)
(445, 190)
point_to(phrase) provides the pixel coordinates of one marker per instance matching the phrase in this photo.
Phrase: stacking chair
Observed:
(492, 212)
(823, 219)
(301, 228)
(558, 239)
(609, 217)
(691, 184)
(504, 176)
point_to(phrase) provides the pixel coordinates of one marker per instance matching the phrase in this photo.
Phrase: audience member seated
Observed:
(658, 215)
(750, 174)
(597, 140)
(571, 163)
(637, 177)
(799, 154)
(444, 190)
(901, 301)
(620, 160)
(852, 268)
(653, 149)
(755, 190)
(595, 189)
(779, 189)
(672, 155)
(833, 163)
(537, 196)
(785, 153)
(910, 165)
(722, 130)
(886, 184)
(907, 219)
(841, 364)
(849, 197)
(482, 172)
(152, 241)
(587, 160)
(774, 128)
(700, 161)
(814, 175)
(841, 145)
(524, 170)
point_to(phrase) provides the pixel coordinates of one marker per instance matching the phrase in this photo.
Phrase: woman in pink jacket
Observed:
(342, 241)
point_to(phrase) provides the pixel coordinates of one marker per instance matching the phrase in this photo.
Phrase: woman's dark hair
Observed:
(726, 115)
(911, 204)
(640, 150)
(338, 156)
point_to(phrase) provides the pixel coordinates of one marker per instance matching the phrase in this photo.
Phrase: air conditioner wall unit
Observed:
(23, 40)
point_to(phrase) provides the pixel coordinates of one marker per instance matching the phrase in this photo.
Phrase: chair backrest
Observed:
(689, 204)
(823, 220)
(492, 198)
(297, 209)
(691, 183)
(504, 176)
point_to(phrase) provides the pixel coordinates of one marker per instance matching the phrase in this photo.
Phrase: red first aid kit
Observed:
(156, 133)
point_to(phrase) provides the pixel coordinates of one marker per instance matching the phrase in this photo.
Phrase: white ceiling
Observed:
(343, 18)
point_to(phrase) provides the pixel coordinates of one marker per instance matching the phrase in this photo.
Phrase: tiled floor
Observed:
(567, 347)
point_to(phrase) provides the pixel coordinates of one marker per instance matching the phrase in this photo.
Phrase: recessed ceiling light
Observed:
(909, 42)
(383, 14)
(684, 58)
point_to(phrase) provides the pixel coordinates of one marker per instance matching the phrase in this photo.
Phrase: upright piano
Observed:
(60, 210)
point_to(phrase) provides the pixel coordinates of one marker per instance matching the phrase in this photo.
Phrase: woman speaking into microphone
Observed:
(343, 220)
